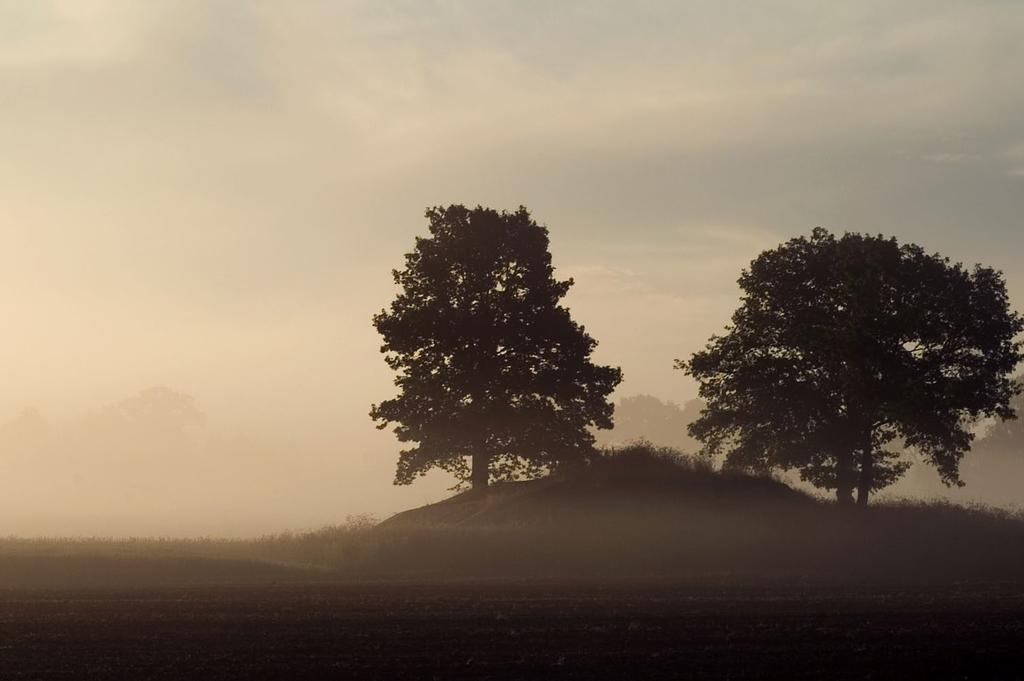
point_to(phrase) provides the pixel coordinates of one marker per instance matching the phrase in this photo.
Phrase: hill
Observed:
(645, 512)
(635, 481)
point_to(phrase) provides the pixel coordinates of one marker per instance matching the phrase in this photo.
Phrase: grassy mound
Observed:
(643, 512)
(632, 482)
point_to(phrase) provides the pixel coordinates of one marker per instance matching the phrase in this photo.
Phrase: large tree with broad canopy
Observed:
(846, 351)
(492, 369)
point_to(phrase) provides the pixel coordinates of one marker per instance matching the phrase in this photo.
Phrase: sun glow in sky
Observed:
(210, 196)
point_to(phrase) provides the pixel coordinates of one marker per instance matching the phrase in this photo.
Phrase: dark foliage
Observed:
(490, 365)
(844, 349)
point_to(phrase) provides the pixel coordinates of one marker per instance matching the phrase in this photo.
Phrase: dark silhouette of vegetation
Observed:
(845, 351)
(490, 365)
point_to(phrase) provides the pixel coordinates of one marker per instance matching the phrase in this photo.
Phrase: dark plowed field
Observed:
(510, 631)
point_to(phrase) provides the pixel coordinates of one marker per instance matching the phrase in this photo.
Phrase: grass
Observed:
(636, 513)
(327, 547)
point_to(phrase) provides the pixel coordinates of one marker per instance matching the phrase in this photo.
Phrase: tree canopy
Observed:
(490, 366)
(846, 350)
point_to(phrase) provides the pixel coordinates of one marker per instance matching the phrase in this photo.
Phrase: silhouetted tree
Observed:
(842, 346)
(490, 365)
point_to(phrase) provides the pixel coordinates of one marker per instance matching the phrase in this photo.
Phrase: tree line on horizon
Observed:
(844, 353)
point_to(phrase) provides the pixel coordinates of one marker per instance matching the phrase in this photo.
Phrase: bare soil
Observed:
(511, 630)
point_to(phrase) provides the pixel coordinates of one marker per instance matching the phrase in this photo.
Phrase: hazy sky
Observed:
(210, 195)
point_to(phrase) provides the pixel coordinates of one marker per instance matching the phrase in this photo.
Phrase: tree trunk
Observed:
(844, 495)
(481, 473)
(867, 474)
(844, 480)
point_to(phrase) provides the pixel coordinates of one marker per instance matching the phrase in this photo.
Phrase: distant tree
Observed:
(490, 365)
(26, 432)
(995, 467)
(662, 423)
(1007, 436)
(844, 346)
(160, 415)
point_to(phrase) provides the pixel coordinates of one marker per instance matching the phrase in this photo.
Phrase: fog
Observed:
(154, 464)
(208, 198)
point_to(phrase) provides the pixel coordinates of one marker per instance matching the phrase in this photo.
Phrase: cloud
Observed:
(60, 33)
(1015, 151)
(950, 157)
(212, 194)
